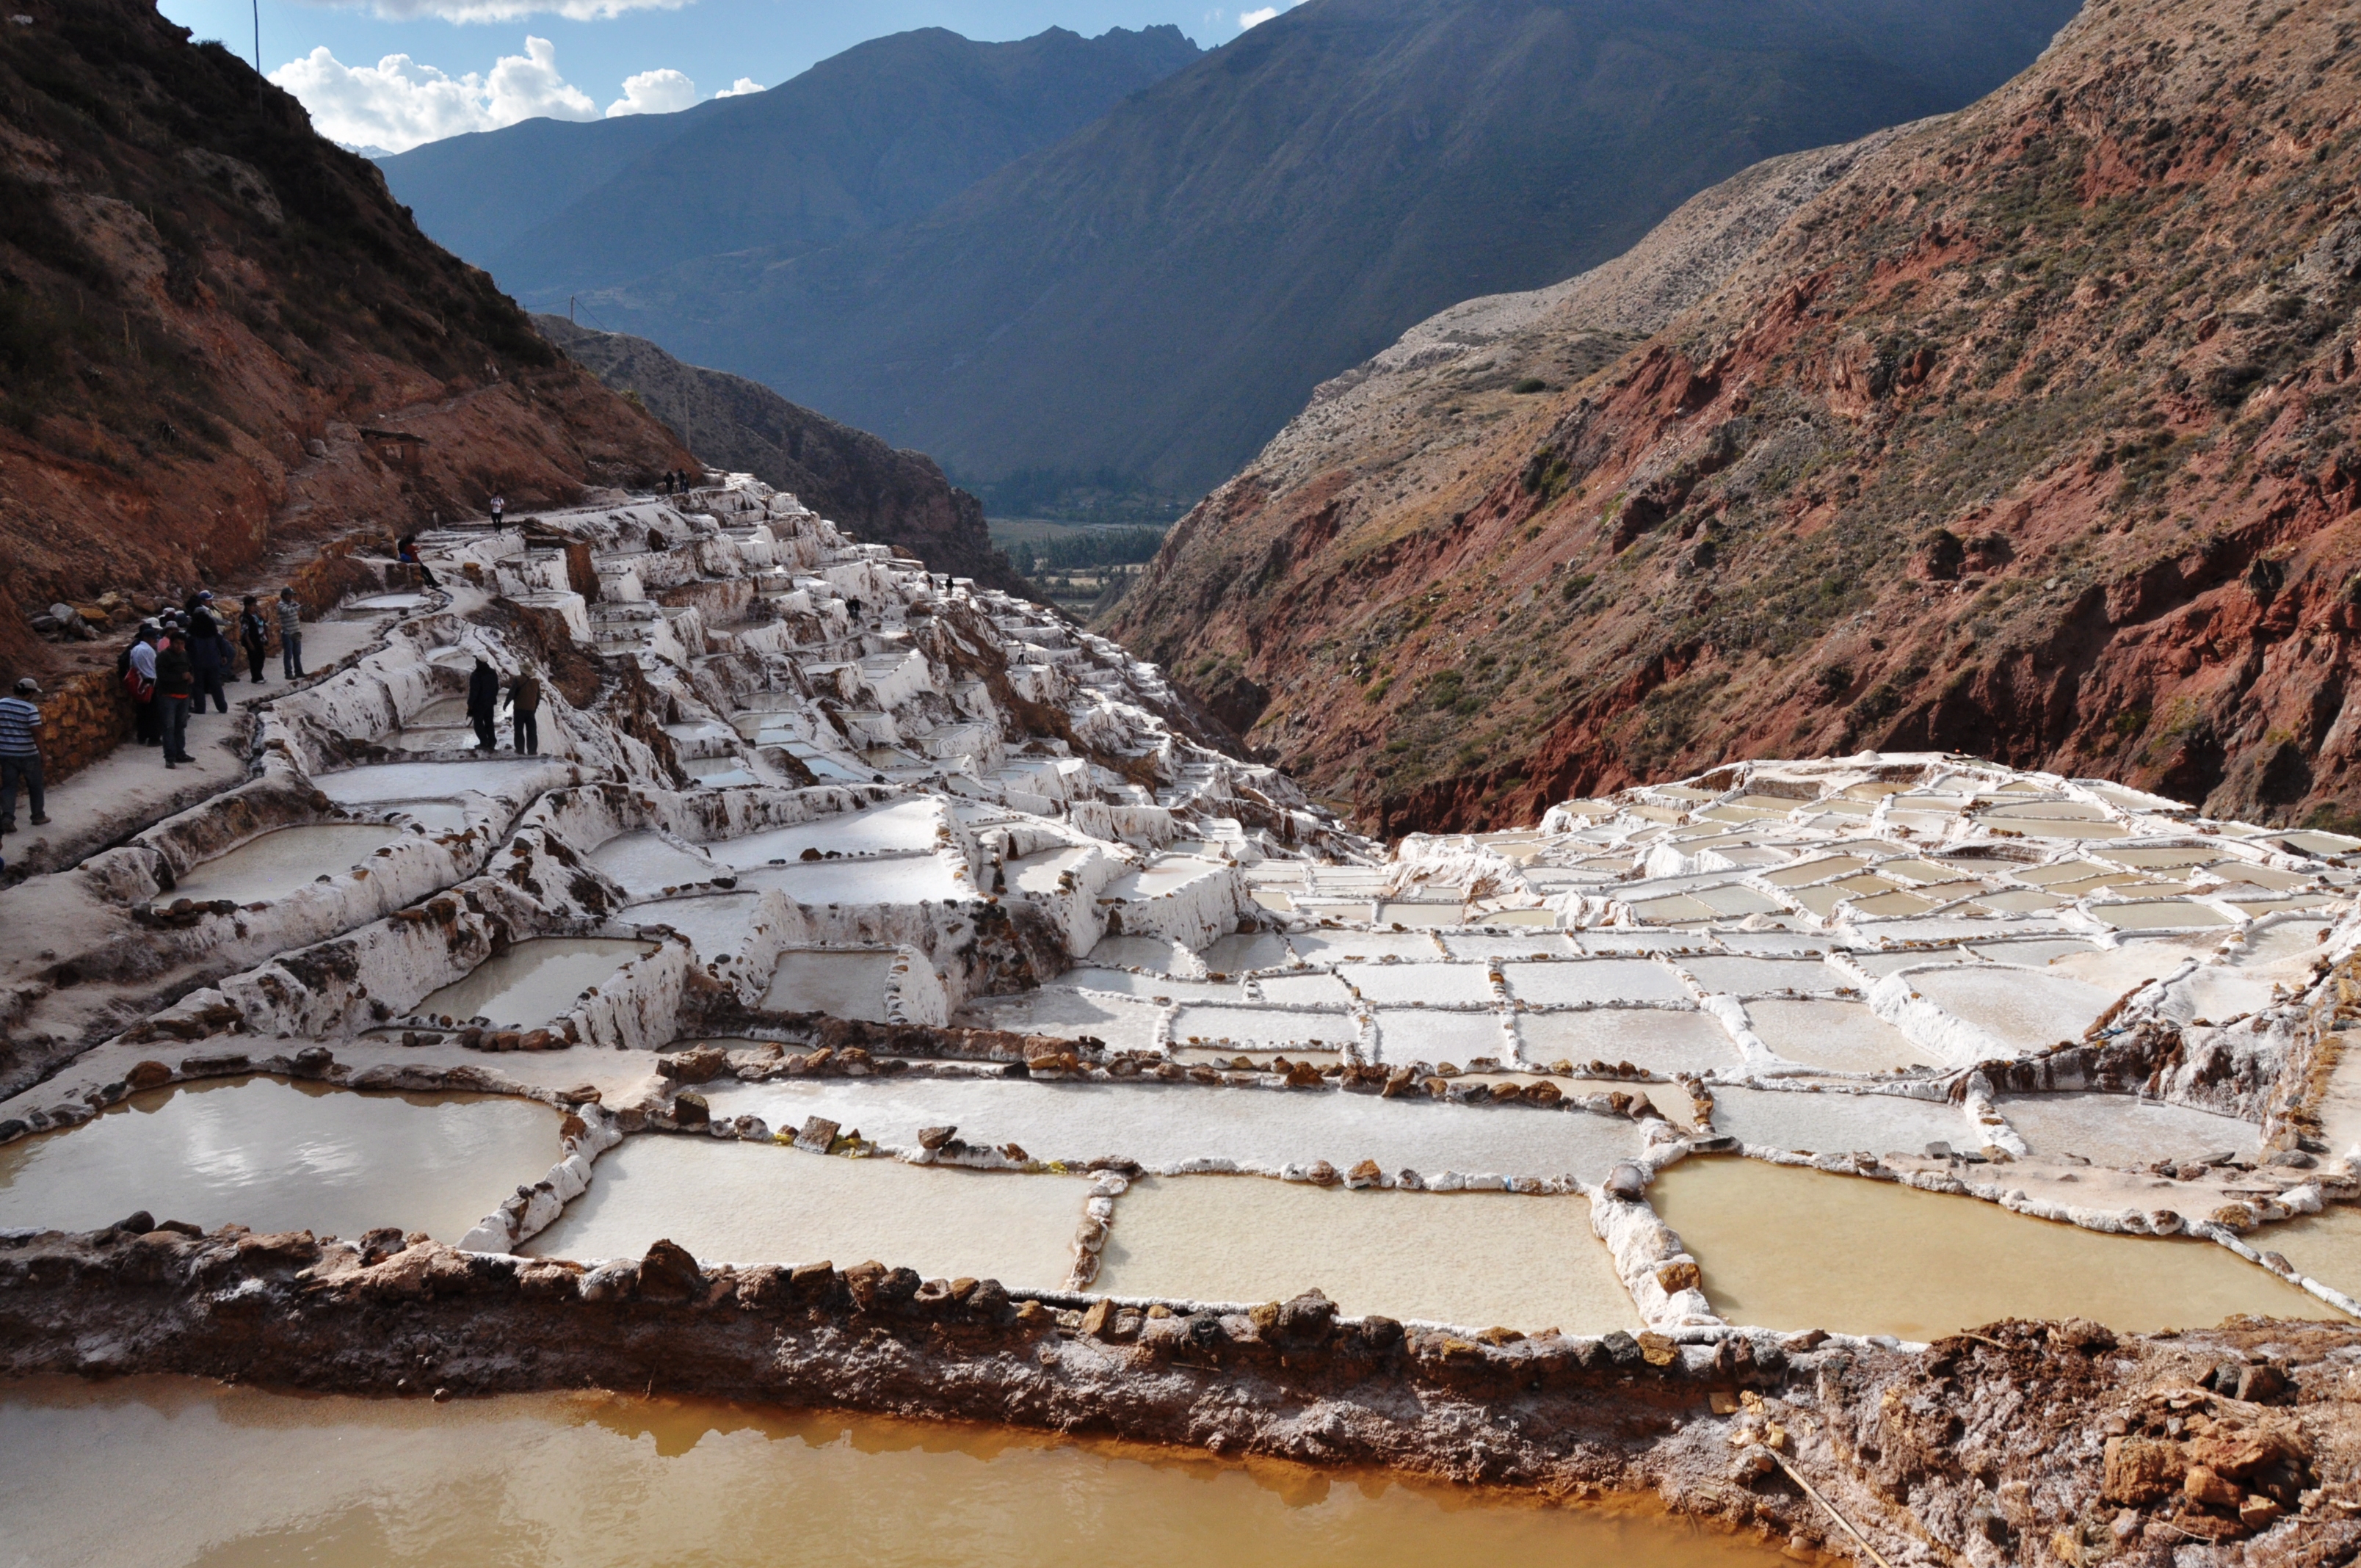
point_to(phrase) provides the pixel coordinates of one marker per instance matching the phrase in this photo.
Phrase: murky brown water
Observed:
(275, 1156)
(236, 1479)
(2326, 1245)
(1786, 1248)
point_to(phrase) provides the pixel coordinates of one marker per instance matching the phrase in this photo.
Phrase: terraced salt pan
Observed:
(1786, 1248)
(1481, 945)
(2218, 992)
(1838, 1036)
(1125, 1025)
(534, 980)
(593, 1479)
(739, 1202)
(714, 924)
(840, 983)
(1421, 1033)
(1248, 950)
(2283, 942)
(1470, 1258)
(1161, 1125)
(900, 879)
(1591, 981)
(1127, 982)
(904, 826)
(1306, 990)
(1160, 954)
(2134, 964)
(1160, 878)
(2023, 1009)
(429, 781)
(2124, 1131)
(283, 861)
(1381, 983)
(1652, 1038)
(2161, 915)
(1805, 1122)
(1267, 1026)
(1418, 914)
(643, 864)
(1342, 947)
(1757, 976)
(282, 1157)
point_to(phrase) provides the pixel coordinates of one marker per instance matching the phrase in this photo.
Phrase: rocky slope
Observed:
(2034, 435)
(1159, 292)
(848, 475)
(204, 307)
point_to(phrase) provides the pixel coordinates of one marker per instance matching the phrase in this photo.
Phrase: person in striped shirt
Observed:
(20, 754)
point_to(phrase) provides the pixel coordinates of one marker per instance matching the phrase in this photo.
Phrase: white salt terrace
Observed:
(1848, 963)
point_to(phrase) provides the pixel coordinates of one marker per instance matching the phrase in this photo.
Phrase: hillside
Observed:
(2034, 435)
(1157, 294)
(847, 475)
(865, 139)
(203, 305)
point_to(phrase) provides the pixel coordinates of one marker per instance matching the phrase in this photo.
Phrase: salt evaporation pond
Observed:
(715, 924)
(2023, 1009)
(283, 861)
(2326, 1245)
(533, 982)
(1823, 1122)
(274, 1156)
(882, 879)
(1164, 1125)
(737, 1203)
(1474, 1259)
(1786, 1248)
(595, 1479)
(904, 826)
(842, 984)
(1656, 1039)
(1837, 1037)
(645, 862)
(428, 781)
(2124, 1130)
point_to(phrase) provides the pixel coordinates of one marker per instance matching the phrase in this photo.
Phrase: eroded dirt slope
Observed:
(205, 306)
(2034, 435)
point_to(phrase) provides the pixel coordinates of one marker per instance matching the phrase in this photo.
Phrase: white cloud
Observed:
(740, 88)
(516, 10)
(1255, 18)
(654, 92)
(398, 104)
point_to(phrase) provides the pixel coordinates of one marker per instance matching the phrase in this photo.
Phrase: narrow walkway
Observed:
(130, 789)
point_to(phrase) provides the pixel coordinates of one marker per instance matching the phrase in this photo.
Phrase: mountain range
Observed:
(1157, 294)
(865, 139)
(2032, 432)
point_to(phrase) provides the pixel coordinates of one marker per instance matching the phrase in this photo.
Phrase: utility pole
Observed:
(258, 37)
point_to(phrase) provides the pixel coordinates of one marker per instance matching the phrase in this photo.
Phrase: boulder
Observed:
(669, 1274)
(147, 1075)
(818, 1135)
(2141, 1470)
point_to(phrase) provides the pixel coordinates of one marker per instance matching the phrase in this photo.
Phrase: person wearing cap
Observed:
(20, 754)
(291, 634)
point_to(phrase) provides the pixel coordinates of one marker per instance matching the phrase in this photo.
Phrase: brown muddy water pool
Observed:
(1787, 1248)
(240, 1478)
(1475, 1259)
(2326, 1245)
(274, 1156)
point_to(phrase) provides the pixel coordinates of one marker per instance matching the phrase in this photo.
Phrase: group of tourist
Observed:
(676, 482)
(181, 657)
(525, 709)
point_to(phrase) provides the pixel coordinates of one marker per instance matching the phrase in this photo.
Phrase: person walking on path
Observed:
(499, 504)
(524, 713)
(484, 705)
(209, 654)
(291, 634)
(136, 670)
(176, 682)
(20, 754)
(254, 636)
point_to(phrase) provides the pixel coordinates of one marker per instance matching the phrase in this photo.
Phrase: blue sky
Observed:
(396, 72)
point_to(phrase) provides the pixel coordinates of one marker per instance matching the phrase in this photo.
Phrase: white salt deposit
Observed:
(1652, 1039)
(533, 982)
(842, 984)
(283, 861)
(2126, 1131)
